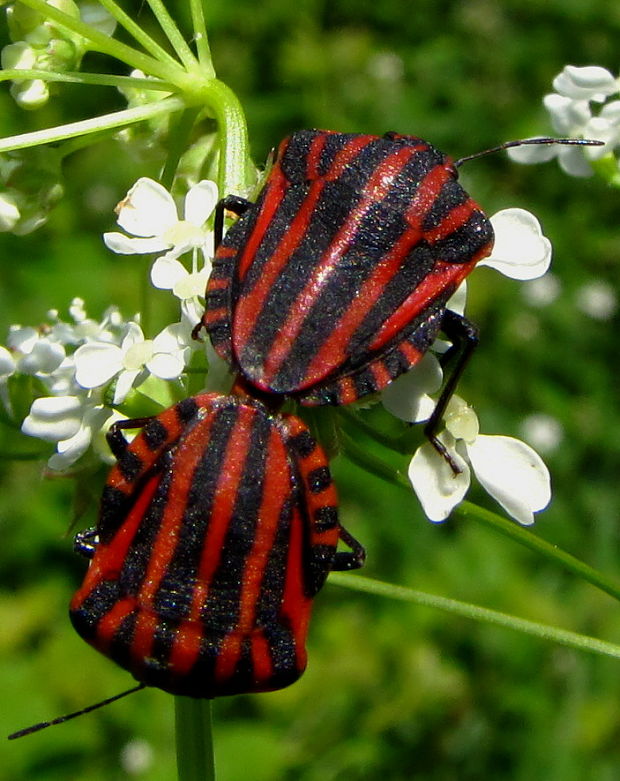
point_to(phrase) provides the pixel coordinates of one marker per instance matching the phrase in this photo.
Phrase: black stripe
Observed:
(155, 434)
(319, 480)
(221, 609)
(96, 605)
(174, 595)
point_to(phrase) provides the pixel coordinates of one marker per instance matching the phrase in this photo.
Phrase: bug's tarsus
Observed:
(464, 337)
(348, 560)
(231, 203)
(61, 719)
(85, 542)
(529, 142)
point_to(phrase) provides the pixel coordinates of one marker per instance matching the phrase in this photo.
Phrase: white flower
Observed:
(149, 214)
(520, 250)
(508, 469)
(70, 421)
(587, 83)
(97, 363)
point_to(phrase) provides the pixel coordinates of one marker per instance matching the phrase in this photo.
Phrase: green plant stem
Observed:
(356, 420)
(99, 79)
(94, 125)
(200, 35)
(366, 460)
(172, 33)
(233, 138)
(178, 142)
(194, 738)
(467, 510)
(477, 613)
(137, 33)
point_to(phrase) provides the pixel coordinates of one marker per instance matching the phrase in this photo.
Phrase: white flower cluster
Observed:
(508, 469)
(87, 368)
(580, 107)
(43, 45)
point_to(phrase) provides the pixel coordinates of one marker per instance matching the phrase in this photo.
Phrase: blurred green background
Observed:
(392, 692)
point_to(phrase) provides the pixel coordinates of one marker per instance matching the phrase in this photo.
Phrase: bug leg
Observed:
(116, 441)
(464, 337)
(348, 560)
(85, 542)
(231, 203)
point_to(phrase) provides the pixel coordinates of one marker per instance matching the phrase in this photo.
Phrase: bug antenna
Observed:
(43, 724)
(530, 142)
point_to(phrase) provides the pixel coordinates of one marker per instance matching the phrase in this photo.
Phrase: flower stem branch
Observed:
(194, 738)
(200, 35)
(99, 79)
(173, 34)
(467, 510)
(477, 613)
(138, 33)
(94, 125)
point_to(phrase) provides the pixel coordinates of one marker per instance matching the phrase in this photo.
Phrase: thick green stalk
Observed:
(195, 760)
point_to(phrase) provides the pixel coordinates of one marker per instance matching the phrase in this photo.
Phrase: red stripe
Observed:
(430, 288)
(225, 496)
(334, 350)
(251, 304)
(376, 189)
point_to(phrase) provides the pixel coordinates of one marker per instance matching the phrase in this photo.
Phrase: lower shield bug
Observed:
(218, 526)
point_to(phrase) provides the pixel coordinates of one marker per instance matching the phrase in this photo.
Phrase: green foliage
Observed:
(392, 691)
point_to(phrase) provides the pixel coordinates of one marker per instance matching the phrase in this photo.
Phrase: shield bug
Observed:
(218, 526)
(336, 280)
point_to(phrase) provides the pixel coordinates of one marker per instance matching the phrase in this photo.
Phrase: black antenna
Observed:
(43, 724)
(530, 141)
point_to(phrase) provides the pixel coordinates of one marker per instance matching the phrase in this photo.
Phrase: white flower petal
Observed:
(437, 487)
(54, 418)
(166, 273)
(200, 202)
(124, 384)
(191, 285)
(96, 363)
(407, 397)
(7, 363)
(532, 153)
(133, 336)
(520, 251)
(124, 245)
(44, 358)
(568, 116)
(9, 212)
(590, 82)
(600, 129)
(513, 474)
(166, 366)
(573, 161)
(148, 209)
(456, 302)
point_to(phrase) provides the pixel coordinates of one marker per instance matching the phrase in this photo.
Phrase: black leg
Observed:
(464, 337)
(231, 203)
(346, 560)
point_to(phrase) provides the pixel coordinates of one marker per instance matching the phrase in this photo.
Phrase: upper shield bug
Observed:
(336, 280)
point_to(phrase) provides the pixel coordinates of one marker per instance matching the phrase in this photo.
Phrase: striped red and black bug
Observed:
(336, 280)
(218, 526)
